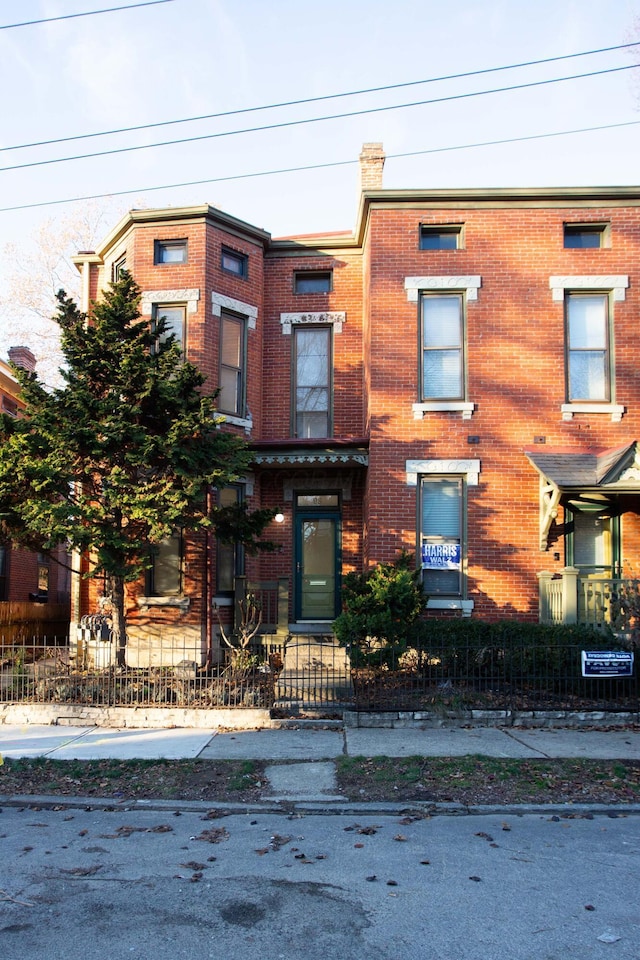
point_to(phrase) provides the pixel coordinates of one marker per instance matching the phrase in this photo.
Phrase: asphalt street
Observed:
(94, 884)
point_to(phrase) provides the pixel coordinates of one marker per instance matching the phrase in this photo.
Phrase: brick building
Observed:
(24, 574)
(456, 377)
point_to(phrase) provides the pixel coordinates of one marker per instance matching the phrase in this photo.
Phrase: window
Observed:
(442, 347)
(231, 398)
(4, 560)
(578, 236)
(312, 281)
(10, 406)
(229, 556)
(440, 237)
(312, 381)
(174, 321)
(237, 263)
(441, 535)
(164, 578)
(117, 267)
(588, 373)
(170, 251)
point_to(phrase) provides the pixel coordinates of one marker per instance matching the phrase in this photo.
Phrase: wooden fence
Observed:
(26, 622)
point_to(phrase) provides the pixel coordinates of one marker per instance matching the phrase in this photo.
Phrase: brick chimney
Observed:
(371, 165)
(22, 357)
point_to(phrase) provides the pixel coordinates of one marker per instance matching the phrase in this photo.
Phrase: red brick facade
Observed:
(513, 429)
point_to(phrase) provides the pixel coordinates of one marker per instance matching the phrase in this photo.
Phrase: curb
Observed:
(322, 807)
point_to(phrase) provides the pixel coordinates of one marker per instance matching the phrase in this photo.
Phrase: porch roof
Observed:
(323, 452)
(615, 470)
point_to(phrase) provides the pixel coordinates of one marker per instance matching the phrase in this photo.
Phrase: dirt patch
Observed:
(465, 780)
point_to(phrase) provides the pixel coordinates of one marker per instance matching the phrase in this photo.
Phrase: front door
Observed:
(317, 557)
(595, 544)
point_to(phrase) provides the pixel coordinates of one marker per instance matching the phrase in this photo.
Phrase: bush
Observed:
(380, 610)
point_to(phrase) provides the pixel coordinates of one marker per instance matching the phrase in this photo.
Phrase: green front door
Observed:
(317, 564)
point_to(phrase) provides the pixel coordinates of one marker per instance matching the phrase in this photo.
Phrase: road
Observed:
(80, 884)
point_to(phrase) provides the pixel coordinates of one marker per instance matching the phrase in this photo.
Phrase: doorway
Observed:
(317, 565)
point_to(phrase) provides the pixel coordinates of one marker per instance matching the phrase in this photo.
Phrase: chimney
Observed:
(22, 357)
(371, 164)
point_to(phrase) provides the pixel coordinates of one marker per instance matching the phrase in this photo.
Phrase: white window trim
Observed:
(190, 296)
(415, 285)
(287, 320)
(616, 284)
(470, 469)
(220, 302)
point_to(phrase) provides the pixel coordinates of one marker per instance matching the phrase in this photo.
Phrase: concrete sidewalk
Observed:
(313, 744)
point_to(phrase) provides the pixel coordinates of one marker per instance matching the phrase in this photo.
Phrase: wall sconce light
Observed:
(279, 517)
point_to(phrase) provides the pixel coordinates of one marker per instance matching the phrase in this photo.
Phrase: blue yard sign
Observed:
(607, 663)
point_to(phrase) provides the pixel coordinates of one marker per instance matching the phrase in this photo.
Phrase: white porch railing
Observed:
(594, 600)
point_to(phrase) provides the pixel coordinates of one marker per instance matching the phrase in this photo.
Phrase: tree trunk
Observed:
(116, 596)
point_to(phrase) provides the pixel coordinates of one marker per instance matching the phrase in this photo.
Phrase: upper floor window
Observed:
(174, 320)
(442, 344)
(312, 381)
(234, 262)
(447, 237)
(10, 406)
(312, 281)
(170, 251)
(117, 267)
(588, 346)
(233, 347)
(579, 236)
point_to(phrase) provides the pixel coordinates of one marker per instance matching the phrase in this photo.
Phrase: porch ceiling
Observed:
(616, 470)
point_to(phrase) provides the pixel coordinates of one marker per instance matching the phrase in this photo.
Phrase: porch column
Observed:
(545, 614)
(570, 594)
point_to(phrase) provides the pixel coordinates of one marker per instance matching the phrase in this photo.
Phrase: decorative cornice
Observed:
(470, 468)
(615, 282)
(287, 320)
(325, 457)
(149, 298)
(470, 284)
(220, 302)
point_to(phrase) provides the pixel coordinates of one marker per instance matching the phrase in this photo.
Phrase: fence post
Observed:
(282, 626)
(570, 594)
(544, 609)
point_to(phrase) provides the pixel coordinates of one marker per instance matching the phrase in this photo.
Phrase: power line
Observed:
(317, 166)
(87, 13)
(307, 100)
(297, 123)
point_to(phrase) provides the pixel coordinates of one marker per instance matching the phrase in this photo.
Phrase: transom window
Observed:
(442, 335)
(439, 237)
(312, 381)
(441, 535)
(578, 236)
(170, 251)
(312, 281)
(588, 346)
(231, 398)
(234, 262)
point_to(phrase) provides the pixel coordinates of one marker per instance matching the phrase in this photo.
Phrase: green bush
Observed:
(380, 609)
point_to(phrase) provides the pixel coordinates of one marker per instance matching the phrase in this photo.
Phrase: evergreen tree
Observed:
(121, 455)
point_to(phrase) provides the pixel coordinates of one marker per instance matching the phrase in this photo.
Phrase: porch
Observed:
(599, 601)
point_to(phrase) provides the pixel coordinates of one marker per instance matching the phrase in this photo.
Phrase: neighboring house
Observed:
(25, 575)
(457, 377)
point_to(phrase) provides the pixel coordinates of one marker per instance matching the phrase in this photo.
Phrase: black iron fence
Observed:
(512, 673)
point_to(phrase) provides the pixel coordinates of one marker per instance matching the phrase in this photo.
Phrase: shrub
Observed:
(380, 609)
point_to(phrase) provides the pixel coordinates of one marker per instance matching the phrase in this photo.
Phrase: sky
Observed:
(189, 58)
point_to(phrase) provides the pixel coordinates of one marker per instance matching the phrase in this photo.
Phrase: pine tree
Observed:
(123, 454)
